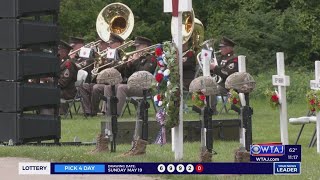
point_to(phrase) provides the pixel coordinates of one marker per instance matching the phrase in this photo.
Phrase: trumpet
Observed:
(89, 45)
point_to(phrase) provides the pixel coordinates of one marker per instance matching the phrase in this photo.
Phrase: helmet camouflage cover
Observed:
(243, 82)
(141, 80)
(109, 76)
(206, 84)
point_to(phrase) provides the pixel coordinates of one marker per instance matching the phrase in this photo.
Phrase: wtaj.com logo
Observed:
(267, 150)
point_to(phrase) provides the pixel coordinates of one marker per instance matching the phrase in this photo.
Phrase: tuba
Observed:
(115, 18)
(187, 25)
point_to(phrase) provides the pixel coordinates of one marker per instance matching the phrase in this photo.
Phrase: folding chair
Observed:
(303, 121)
(81, 78)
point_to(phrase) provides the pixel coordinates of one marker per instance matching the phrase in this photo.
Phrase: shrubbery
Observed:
(296, 92)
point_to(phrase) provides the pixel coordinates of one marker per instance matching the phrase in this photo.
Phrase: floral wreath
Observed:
(273, 97)
(199, 99)
(167, 85)
(233, 97)
(313, 100)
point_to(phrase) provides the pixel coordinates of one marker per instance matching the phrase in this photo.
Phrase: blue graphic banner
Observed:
(162, 168)
(275, 153)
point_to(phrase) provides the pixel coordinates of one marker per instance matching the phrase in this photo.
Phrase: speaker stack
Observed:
(28, 54)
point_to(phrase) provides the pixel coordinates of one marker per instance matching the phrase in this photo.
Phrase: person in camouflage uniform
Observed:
(227, 65)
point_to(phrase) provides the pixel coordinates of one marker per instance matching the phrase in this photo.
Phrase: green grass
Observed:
(265, 129)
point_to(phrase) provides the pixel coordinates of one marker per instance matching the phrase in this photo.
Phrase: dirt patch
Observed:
(9, 170)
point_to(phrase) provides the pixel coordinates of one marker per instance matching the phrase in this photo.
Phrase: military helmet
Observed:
(206, 84)
(141, 80)
(243, 82)
(109, 76)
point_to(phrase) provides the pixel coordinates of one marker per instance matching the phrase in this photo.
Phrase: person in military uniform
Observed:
(68, 75)
(227, 65)
(90, 92)
(76, 43)
(137, 62)
(140, 61)
(189, 65)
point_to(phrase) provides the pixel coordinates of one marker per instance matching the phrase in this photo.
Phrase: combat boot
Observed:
(205, 156)
(241, 155)
(134, 144)
(139, 148)
(102, 144)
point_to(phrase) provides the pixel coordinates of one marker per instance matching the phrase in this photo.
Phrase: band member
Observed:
(141, 61)
(90, 92)
(189, 65)
(68, 75)
(227, 65)
(76, 43)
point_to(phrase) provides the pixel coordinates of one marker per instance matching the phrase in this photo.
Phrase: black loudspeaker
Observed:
(22, 128)
(18, 96)
(16, 33)
(18, 65)
(18, 8)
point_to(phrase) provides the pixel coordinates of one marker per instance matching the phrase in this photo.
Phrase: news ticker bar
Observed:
(161, 168)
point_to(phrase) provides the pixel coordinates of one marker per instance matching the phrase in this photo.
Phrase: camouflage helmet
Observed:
(141, 80)
(109, 76)
(243, 82)
(206, 84)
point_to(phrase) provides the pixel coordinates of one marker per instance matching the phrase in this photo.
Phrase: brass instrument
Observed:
(116, 18)
(188, 22)
(105, 52)
(89, 45)
(149, 49)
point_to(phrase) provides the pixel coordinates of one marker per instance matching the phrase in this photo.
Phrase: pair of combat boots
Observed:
(139, 146)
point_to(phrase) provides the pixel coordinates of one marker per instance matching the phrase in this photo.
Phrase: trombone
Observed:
(142, 51)
(89, 45)
(105, 52)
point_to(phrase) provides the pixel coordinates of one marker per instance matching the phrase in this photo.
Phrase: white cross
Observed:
(315, 85)
(281, 80)
(177, 7)
(242, 68)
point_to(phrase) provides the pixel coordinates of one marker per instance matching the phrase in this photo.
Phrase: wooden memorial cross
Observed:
(176, 7)
(281, 80)
(315, 85)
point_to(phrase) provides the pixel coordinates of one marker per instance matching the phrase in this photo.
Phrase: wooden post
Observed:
(177, 7)
(315, 85)
(281, 80)
(242, 68)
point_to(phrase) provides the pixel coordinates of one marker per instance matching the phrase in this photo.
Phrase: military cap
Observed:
(142, 40)
(226, 42)
(115, 38)
(64, 45)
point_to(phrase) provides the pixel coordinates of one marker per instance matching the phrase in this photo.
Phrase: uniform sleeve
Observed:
(230, 68)
(148, 63)
(68, 74)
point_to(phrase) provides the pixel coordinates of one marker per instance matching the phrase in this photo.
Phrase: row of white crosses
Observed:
(315, 85)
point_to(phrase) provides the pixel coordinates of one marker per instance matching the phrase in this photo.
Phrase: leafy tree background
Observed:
(259, 27)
